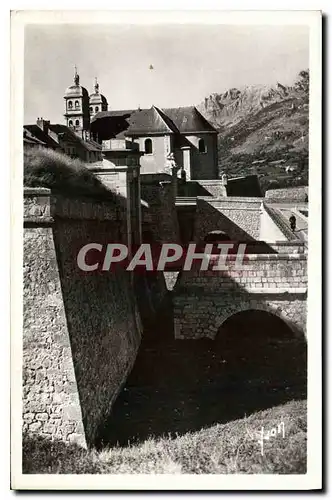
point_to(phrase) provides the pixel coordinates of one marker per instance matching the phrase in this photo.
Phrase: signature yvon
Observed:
(272, 433)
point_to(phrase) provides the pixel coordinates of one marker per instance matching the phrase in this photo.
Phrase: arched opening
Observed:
(216, 236)
(70, 123)
(148, 146)
(265, 362)
(77, 123)
(201, 146)
(77, 104)
(96, 109)
(91, 109)
(70, 104)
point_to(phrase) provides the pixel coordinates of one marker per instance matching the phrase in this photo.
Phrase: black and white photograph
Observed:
(167, 286)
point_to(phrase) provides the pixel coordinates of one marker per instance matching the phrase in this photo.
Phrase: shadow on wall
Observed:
(193, 189)
(101, 320)
(208, 218)
(252, 247)
(255, 362)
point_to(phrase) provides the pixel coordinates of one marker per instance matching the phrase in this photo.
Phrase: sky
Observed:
(189, 62)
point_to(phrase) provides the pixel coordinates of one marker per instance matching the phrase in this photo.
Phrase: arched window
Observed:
(70, 123)
(77, 104)
(77, 123)
(91, 109)
(96, 109)
(148, 146)
(201, 146)
(70, 104)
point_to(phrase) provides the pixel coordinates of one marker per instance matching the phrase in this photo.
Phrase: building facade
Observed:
(181, 135)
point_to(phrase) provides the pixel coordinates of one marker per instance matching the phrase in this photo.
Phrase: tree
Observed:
(303, 81)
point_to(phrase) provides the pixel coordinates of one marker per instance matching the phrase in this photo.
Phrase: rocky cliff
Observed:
(263, 130)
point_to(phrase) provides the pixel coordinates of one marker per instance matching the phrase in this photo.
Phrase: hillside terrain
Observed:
(231, 448)
(264, 131)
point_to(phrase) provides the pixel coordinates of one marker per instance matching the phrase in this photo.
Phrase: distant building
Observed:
(61, 138)
(80, 107)
(156, 132)
(181, 133)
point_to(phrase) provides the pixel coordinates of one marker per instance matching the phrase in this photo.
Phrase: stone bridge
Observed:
(275, 283)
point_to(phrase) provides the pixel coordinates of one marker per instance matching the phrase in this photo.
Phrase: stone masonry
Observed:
(276, 283)
(238, 217)
(81, 330)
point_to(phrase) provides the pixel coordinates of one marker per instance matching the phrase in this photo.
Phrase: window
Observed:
(96, 109)
(77, 123)
(77, 104)
(70, 123)
(201, 146)
(91, 109)
(148, 146)
(70, 104)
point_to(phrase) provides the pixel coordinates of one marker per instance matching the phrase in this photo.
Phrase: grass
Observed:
(62, 174)
(220, 449)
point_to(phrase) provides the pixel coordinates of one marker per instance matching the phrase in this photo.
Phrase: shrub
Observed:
(58, 172)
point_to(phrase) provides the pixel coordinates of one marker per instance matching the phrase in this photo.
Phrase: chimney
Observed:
(43, 124)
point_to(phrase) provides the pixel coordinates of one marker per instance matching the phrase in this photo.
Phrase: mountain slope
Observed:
(263, 130)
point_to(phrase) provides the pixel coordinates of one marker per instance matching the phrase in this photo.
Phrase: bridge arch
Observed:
(252, 305)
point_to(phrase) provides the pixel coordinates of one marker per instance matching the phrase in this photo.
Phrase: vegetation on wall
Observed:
(60, 173)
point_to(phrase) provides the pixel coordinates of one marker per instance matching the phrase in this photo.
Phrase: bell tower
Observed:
(77, 114)
(98, 102)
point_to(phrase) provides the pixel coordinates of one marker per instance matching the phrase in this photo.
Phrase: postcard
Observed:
(166, 277)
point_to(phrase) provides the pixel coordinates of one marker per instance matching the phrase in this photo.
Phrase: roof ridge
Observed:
(167, 120)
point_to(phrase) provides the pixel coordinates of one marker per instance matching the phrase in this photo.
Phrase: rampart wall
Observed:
(81, 330)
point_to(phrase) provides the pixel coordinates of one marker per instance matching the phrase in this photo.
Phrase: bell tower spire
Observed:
(76, 77)
(98, 102)
(96, 86)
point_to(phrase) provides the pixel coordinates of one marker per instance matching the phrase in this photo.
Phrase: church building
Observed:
(181, 134)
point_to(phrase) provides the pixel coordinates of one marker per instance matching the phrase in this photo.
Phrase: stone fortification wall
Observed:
(81, 331)
(239, 218)
(160, 196)
(295, 194)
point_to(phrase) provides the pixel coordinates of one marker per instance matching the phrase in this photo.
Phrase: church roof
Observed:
(76, 91)
(97, 98)
(148, 122)
(156, 121)
(189, 120)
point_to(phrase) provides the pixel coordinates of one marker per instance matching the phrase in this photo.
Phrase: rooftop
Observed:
(156, 121)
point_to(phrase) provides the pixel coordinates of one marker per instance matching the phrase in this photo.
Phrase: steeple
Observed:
(76, 77)
(96, 86)
(97, 101)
